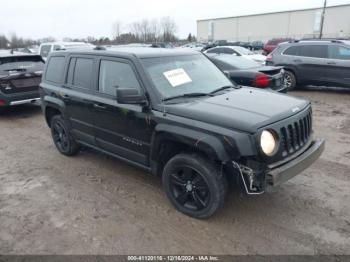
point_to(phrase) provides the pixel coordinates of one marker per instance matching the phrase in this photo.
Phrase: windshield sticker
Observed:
(177, 77)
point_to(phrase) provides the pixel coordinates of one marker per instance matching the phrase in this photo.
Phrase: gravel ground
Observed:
(93, 204)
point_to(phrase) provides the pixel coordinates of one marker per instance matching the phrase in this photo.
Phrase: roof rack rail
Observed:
(324, 39)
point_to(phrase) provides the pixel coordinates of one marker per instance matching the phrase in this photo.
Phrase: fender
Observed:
(53, 102)
(205, 142)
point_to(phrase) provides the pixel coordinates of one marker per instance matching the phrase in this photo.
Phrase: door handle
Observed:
(331, 63)
(298, 60)
(99, 106)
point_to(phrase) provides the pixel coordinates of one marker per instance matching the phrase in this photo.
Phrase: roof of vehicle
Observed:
(227, 46)
(8, 53)
(66, 43)
(218, 56)
(140, 52)
(316, 41)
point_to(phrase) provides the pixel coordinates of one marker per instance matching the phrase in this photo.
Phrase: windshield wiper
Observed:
(223, 88)
(186, 95)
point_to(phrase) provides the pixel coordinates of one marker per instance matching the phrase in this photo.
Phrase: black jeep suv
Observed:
(175, 114)
(20, 76)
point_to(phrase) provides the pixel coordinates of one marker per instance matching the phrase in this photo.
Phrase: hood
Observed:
(246, 109)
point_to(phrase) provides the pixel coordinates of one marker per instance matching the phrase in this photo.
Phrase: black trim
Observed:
(116, 156)
(281, 174)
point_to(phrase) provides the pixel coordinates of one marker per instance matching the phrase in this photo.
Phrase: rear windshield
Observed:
(16, 59)
(24, 63)
(244, 51)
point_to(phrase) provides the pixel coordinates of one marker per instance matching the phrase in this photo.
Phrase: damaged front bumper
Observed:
(275, 176)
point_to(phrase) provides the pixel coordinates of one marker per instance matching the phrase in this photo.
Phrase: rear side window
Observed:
(45, 50)
(215, 51)
(317, 51)
(293, 50)
(54, 70)
(339, 52)
(115, 74)
(56, 47)
(80, 72)
(227, 51)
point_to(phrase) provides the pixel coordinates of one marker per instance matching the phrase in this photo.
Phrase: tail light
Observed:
(261, 80)
(2, 102)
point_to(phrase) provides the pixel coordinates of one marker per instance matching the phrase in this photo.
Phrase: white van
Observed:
(46, 48)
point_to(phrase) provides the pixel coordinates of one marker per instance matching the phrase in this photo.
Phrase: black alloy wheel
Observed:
(63, 141)
(60, 137)
(194, 185)
(189, 188)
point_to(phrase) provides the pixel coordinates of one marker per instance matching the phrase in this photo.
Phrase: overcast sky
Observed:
(81, 18)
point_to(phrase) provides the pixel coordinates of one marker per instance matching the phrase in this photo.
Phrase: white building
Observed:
(294, 24)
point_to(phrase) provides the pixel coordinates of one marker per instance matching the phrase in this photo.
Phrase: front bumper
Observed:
(260, 180)
(281, 174)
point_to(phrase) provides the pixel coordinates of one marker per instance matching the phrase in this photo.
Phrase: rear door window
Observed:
(339, 52)
(54, 70)
(293, 50)
(80, 72)
(317, 51)
(114, 74)
(45, 50)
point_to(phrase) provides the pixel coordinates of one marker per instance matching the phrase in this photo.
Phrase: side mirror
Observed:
(130, 96)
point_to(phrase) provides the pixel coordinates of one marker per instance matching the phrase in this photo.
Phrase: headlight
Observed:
(267, 143)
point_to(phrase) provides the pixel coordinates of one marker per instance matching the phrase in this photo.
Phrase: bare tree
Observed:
(135, 29)
(47, 39)
(169, 28)
(15, 41)
(116, 29)
(145, 30)
(3, 42)
(154, 30)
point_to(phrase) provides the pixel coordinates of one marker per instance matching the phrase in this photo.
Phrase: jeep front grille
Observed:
(296, 135)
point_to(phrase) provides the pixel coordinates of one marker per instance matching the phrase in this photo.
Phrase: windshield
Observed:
(238, 61)
(180, 75)
(244, 51)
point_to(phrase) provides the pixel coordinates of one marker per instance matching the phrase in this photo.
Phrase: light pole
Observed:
(322, 17)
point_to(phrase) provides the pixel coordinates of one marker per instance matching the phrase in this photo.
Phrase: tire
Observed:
(194, 185)
(290, 80)
(62, 139)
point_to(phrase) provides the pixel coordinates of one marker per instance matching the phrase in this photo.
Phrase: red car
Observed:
(273, 43)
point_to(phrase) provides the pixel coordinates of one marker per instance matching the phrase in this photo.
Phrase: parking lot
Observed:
(93, 204)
